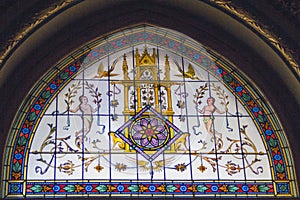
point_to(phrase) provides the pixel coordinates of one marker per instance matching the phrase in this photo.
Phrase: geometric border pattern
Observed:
(147, 188)
(33, 108)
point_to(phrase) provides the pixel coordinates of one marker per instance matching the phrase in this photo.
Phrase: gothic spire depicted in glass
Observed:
(147, 112)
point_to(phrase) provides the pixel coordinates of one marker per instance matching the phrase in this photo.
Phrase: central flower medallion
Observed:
(149, 133)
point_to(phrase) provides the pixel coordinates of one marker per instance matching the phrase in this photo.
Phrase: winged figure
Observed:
(103, 73)
(186, 74)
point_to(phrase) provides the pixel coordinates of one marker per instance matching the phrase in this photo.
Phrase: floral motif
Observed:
(67, 167)
(16, 175)
(142, 188)
(120, 167)
(46, 188)
(232, 168)
(149, 133)
(99, 168)
(202, 168)
(148, 126)
(180, 167)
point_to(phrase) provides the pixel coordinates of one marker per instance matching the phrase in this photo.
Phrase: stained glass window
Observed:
(147, 112)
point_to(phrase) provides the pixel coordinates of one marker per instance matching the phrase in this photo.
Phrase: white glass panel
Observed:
(219, 140)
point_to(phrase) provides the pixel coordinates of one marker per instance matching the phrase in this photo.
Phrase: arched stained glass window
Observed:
(147, 112)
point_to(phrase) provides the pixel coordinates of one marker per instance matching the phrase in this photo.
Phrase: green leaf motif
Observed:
(15, 188)
(69, 188)
(246, 97)
(272, 142)
(22, 141)
(227, 78)
(133, 188)
(171, 188)
(32, 116)
(202, 188)
(283, 188)
(46, 94)
(101, 188)
(232, 188)
(279, 168)
(263, 188)
(17, 167)
(64, 75)
(36, 188)
(261, 118)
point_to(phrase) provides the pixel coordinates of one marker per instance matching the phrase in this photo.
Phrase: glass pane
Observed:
(157, 117)
(151, 116)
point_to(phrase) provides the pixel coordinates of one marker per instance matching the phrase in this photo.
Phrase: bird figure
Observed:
(186, 74)
(102, 73)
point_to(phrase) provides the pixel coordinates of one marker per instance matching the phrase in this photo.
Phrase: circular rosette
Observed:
(149, 133)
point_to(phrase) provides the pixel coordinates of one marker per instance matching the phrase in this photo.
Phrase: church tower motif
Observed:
(148, 87)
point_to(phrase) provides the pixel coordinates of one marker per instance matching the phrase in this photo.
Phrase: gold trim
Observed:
(241, 14)
(43, 15)
(226, 4)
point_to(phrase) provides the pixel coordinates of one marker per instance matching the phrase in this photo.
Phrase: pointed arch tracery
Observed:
(150, 105)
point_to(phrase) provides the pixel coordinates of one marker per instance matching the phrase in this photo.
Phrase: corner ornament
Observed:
(43, 16)
(272, 40)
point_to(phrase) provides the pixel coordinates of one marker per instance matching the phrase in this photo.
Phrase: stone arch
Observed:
(211, 40)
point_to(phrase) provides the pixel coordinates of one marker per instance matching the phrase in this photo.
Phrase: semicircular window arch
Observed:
(147, 111)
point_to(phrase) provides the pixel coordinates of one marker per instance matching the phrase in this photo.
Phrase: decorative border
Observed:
(270, 38)
(147, 188)
(37, 188)
(42, 18)
(225, 4)
(157, 37)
